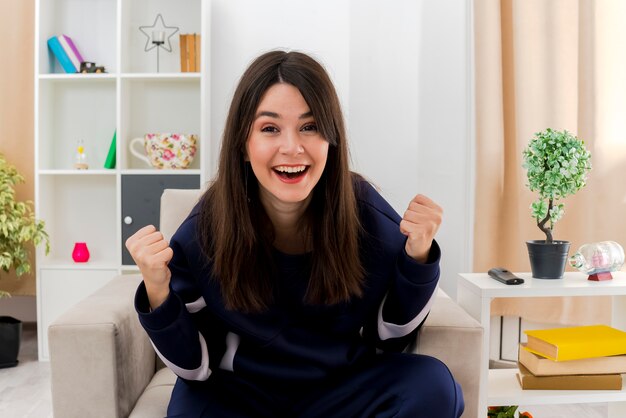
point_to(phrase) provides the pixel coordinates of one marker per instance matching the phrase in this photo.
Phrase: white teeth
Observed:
(285, 169)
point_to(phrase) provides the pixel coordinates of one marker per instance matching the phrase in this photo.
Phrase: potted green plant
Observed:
(18, 229)
(557, 165)
(506, 412)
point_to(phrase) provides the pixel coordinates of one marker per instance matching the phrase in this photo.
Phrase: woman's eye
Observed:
(310, 127)
(270, 129)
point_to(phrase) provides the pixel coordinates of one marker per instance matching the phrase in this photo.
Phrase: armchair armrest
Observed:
(454, 337)
(100, 358)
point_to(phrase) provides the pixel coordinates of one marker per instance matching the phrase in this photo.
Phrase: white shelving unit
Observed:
(475, 291)
(131, 99)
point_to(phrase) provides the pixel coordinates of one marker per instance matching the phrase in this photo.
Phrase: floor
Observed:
(25, 389)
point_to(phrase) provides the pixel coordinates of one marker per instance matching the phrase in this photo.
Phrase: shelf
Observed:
(88, 172)
(573, 284)
(476, 291)
(70, 111)
(154, 171)
(80, 208)
(154, 105)
(161, 76)
(78, 77)
(504, 389)
(131, 99)
(91, 24)
(65, 265)
(186, 15)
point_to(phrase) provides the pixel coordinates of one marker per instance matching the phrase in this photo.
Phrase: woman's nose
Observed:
(291, 144)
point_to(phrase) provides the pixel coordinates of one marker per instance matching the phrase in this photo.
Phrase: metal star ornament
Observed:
(158, 25)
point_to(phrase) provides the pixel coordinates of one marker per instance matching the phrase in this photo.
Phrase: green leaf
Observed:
(18, 226)
(557, 165)
(539, 209)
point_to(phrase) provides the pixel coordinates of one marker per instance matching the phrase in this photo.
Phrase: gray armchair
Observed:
(103, 364)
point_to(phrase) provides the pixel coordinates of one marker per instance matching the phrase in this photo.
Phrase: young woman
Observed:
(292, 287)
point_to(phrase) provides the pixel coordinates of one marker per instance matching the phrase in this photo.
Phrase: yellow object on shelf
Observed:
(572, 343)
(81, 158)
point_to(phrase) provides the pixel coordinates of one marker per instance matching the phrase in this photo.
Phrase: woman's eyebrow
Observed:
(267, 113)
(277, 116)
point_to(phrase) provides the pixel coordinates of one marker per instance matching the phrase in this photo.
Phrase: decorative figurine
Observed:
(90, 67)
(81, 158)
(158, 35)
(598, 259)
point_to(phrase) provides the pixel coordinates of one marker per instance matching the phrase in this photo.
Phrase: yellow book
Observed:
(198, 52)
(572, 343)
(191, 51)
(184, 59)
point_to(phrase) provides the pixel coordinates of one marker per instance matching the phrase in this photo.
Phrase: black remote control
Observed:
(504, 276)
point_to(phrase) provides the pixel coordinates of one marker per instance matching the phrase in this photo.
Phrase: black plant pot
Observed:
(10, 337)
(547, 261)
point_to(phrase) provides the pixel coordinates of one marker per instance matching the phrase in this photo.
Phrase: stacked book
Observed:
(573, 358)
(63, 48)
(190, 47)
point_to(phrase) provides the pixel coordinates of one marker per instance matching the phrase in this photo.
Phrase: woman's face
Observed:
(285, 149)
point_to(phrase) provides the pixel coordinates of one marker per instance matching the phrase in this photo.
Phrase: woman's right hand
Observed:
(152, 254)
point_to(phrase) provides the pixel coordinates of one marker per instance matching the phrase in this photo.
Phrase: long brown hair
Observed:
(235, 232)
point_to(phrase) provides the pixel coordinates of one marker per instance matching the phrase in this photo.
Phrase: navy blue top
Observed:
(193, 332)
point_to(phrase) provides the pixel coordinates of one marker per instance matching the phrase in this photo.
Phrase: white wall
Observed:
(243, 29)
(445, 131)
(402, 70)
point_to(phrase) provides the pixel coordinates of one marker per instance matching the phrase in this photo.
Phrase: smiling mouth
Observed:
(289, 172)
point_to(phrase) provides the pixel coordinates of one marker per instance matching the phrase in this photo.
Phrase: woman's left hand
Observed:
(420, 223)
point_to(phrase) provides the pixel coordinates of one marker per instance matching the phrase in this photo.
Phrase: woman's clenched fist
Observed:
(152, 254)
(420, 224)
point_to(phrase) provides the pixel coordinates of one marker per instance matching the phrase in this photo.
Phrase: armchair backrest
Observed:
(175, 206)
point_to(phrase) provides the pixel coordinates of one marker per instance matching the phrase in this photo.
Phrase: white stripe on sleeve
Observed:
(388, 330)
(195, 306)
(201, 373)
(232, 343)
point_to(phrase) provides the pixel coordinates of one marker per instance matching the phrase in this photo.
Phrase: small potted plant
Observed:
(18, 229)
(506, 412)
(557, 164)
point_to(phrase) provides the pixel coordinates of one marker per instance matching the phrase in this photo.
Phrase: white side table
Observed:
(475, 291)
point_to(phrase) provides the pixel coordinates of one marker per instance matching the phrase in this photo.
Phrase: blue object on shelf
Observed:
(58, 51)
